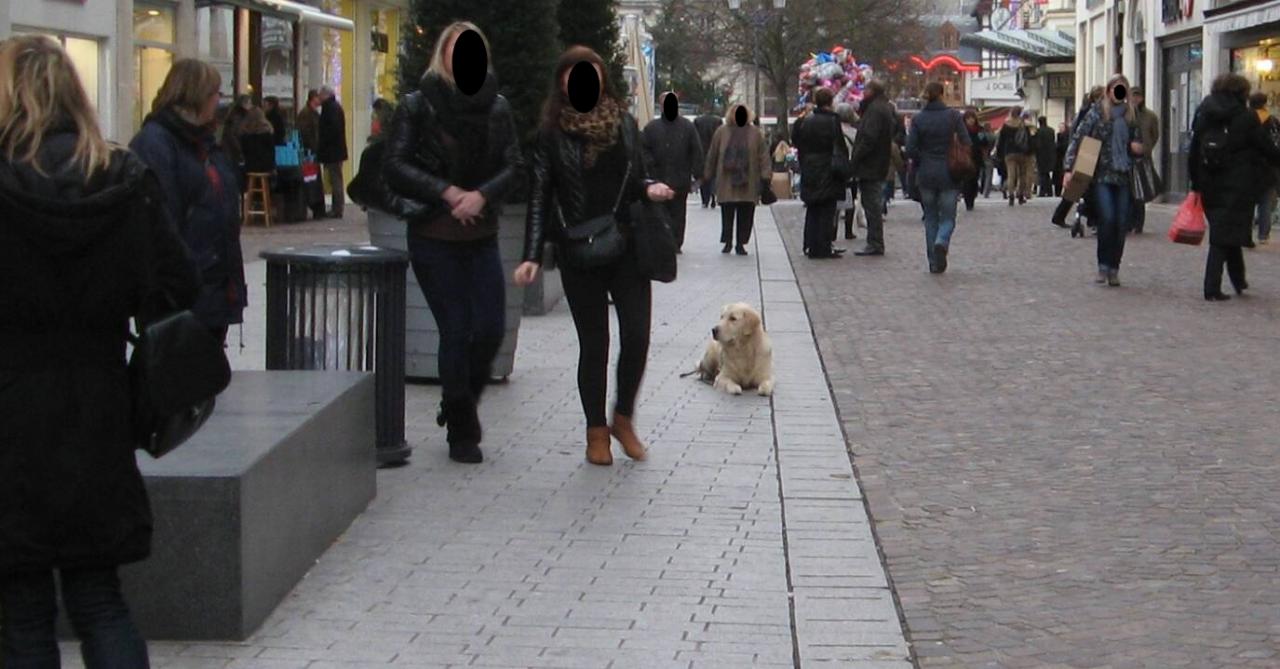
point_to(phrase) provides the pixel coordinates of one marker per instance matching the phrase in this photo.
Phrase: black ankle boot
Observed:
(464, 431)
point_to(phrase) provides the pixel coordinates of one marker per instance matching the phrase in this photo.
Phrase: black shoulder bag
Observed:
(596, 242)
(655, 243)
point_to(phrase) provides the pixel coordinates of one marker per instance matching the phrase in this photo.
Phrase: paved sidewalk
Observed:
(743, 541)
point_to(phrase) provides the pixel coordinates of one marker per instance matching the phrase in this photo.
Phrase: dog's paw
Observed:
(726, 385)
(766, 388)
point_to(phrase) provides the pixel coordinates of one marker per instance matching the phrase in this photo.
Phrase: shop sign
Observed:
(1001, 88)
(1062, 84)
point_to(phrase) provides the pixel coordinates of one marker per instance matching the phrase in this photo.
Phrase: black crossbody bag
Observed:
(595, 242)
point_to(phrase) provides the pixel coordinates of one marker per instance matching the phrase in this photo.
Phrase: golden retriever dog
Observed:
(739, 354)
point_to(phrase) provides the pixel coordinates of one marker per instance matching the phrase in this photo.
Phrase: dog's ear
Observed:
(724, 310)
(754, 323)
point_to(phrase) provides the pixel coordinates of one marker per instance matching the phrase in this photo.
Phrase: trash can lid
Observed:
(330, 254)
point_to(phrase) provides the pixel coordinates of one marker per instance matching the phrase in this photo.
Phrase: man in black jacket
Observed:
(870, 161)
(706, 126)
(673, 154)
(331, 151)
(1046, 155)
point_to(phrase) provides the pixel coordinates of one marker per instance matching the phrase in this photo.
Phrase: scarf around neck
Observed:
(598, 127)
(1119, 139)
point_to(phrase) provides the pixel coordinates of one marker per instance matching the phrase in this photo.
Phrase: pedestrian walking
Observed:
(819, 136)
(674, 152)
(588, 166)
(1149, 125)
(979, 149)
(1046, 156)
(85, 246)
(988, 164)
(452, 148)
(275, 116)
(1114, 124)
(932, 132)
(1231, 160)
(1060, 212)
(1016, 149)
(870, 160)
(199, 186)
(738, 161)
(1061, 141)
(706, 125)
(1267, 202)
(331, 149)
(308, 122)
(257, 143)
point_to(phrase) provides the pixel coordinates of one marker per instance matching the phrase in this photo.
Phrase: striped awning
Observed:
(1034, 46)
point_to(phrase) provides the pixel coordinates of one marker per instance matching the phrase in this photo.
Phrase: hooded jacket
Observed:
(1230, 194)
(757, 160)
(77, 260)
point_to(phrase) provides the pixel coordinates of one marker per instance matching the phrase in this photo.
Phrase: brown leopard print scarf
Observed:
(599, 127)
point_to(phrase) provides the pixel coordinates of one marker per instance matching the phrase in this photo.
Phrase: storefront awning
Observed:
(1034, 46)
(1231, 18)
(291, 10)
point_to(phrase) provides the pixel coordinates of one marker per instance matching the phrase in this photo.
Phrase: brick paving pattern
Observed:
(1060, 474)
(746, 510)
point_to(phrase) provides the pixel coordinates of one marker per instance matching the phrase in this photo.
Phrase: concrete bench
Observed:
(244, 509)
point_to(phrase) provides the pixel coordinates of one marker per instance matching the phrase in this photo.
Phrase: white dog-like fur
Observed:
(739, 354)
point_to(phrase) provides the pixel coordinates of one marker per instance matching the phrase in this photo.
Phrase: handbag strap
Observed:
(617, 203)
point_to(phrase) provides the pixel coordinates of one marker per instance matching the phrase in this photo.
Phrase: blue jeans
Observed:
(939, 217)
(466, 290)
(1111, 203)
(29, 609)
(1266, 206)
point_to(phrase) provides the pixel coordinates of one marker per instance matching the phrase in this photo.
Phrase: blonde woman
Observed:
(452, 153)
(1114, 124)
(84, 246)
(202, 196)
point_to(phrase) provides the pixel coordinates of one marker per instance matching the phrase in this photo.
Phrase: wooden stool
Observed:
(260, 186)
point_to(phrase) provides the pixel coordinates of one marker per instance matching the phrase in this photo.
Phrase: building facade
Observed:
(1028, 52)
(1174, 49)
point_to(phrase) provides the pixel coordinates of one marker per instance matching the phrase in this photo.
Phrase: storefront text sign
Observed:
(1062, 84)
(1001, 88)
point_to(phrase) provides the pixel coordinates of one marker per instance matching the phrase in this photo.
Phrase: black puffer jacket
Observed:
(418, 166)
(559, 184)
(1230, 194)
(77, 260)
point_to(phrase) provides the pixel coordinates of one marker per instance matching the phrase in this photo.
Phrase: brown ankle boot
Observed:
(626, 435)
(599, 446)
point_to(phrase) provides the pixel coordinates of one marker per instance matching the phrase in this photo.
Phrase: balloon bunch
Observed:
(837, 70)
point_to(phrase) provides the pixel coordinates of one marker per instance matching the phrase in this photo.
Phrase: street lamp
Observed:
(757, 20)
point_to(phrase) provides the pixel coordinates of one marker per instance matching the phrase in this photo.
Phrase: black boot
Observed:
(464, 431)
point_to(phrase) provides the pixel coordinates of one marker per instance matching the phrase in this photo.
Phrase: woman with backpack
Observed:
(1231, 160)
(1113, 123)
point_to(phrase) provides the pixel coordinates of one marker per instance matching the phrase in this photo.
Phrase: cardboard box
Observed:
(1086, 165)
(780, 183)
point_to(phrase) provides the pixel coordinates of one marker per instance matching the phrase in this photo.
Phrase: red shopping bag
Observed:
(1188, 224)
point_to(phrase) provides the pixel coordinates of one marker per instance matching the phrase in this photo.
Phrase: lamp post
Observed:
(757, 20)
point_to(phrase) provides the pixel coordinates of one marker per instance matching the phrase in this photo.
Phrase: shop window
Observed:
(153, 40)
(277, 62)
(216, 41)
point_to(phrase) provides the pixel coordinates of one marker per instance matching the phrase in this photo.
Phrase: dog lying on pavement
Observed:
(739, 354)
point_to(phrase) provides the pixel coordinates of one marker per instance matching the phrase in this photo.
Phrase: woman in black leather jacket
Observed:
(586, 148)
(451, 158)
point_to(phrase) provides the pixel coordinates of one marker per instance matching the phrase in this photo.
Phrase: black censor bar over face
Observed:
(740, 116)
(670, 107)
(470, 62)
(584, 87)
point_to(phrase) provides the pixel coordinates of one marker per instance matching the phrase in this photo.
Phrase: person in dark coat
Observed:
(738, 161)
(1060, 212)
(932, 131)
(230, 136)
(979, 149)
(201, 197)
(706, 126)
(870, 160)
(1114, 124)
(1267, 203)
(1061, 142)
(674, 154)
(1230, 177)
(331, 150)
(275, 116)
(817, 135)
(257, 143)
(308, 122)
(84, 248)
(588, 163)
(1046, 155)
(452, 146)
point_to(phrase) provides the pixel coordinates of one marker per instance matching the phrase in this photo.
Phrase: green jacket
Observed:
(1149, 126)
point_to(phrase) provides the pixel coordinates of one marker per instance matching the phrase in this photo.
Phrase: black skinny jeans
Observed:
(588, 293)
(745, 212)
(95, 606)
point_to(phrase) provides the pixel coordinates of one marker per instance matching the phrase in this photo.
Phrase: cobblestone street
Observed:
(1060, 474)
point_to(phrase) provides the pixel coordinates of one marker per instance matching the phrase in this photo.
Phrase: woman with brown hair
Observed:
(587, 169)
(452, 152)
(84, 247)
(202, 196)
(257, 143)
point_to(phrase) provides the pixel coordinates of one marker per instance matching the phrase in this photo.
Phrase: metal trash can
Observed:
(336, 307)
